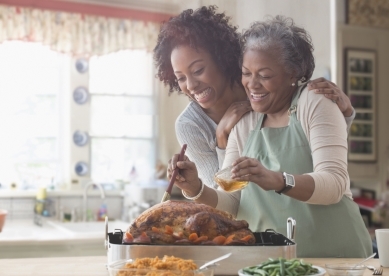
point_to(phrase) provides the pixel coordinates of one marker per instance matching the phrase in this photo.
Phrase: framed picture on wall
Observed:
(361, 88)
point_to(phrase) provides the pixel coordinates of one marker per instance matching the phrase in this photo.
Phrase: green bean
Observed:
(281, 267)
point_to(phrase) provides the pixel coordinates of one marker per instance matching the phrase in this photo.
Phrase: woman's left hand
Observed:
(332, 92)
(250, 169)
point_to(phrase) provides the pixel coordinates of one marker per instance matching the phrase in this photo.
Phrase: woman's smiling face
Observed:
(198, 75)
(267, 84)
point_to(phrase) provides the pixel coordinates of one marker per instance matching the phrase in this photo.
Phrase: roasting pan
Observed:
(269, 244)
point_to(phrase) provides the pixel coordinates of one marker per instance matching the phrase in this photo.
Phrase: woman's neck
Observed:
(234, 93)
(281, 117)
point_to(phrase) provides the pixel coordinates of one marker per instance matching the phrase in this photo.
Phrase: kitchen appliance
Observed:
(269, 244)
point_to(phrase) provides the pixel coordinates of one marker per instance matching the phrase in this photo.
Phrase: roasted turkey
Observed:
(182, 222)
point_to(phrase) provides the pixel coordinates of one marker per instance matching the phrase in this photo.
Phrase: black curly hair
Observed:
(205, 29)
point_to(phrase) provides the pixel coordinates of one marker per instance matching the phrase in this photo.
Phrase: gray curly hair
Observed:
(293, 43)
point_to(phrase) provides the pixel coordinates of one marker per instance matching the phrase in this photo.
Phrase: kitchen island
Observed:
(96, 266)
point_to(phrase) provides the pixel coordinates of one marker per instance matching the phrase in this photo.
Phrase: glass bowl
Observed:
(118, 268)
(224, 180)
(345, 269)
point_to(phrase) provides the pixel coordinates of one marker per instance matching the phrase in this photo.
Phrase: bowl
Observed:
(321, 272)
(224, 180)
(345, 269)
(118, 268)
(3, 215)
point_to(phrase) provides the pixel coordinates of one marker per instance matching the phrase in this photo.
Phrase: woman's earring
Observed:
(293, 84)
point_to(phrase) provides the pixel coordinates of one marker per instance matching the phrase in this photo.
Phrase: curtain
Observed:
(76, 34)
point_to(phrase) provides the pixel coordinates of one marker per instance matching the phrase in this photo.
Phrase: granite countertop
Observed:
(96, 266)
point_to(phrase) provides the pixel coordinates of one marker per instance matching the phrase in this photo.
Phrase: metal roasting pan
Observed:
(269, 244)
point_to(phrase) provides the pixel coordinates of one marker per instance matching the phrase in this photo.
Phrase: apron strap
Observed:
(293, 106)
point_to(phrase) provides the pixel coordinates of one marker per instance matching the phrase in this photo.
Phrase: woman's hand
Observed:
(332, 92)
(187, 178)
(233, 114)
(250, 169)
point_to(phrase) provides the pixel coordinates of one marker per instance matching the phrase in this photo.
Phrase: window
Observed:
(35, 92)
(30, 82)
(122, 116)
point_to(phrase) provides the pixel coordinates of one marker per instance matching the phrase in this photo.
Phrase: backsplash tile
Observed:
(23, 208)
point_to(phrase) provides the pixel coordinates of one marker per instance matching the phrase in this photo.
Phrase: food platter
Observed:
(321, 272)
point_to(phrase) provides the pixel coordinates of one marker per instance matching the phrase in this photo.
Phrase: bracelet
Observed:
(197, 196)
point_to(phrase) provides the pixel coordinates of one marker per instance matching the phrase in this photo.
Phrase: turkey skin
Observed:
(182, 222)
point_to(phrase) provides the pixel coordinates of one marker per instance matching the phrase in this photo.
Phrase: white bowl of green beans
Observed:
(282, 267)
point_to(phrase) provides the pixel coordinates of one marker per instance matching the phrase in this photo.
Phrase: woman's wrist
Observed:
(348, 112)
(197, 195)
(221, 140)
(278, 181)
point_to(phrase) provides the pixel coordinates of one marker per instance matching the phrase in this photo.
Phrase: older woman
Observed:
(198, 53)
(292, 149)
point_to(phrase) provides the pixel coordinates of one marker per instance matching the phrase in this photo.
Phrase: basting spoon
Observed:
(210, 263)
(368, 258)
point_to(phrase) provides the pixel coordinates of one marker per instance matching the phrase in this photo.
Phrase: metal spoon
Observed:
(210, 263)
(368, 258)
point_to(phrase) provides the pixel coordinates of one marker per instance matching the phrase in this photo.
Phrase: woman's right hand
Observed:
(233, 114)
(187, 178)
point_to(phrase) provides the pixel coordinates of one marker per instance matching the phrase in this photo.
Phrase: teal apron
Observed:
(335, 230)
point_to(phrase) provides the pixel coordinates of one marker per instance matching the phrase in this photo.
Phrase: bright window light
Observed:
(122, 116)
(29, 119)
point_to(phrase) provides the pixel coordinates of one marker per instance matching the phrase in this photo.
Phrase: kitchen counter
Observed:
(24, 239)
(96, 266)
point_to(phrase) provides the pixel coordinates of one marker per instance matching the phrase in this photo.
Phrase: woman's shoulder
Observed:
(249, 120)
(193, 116)
(310, 101)
(311, 105)
(192, 112)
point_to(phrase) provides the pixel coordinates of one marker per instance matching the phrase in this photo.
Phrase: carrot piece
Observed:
(129, 237)
(219, 240)
(168, 230)
(246, 238)
(155, 229)
(199, 240)
(229, 239)
(192, 237)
